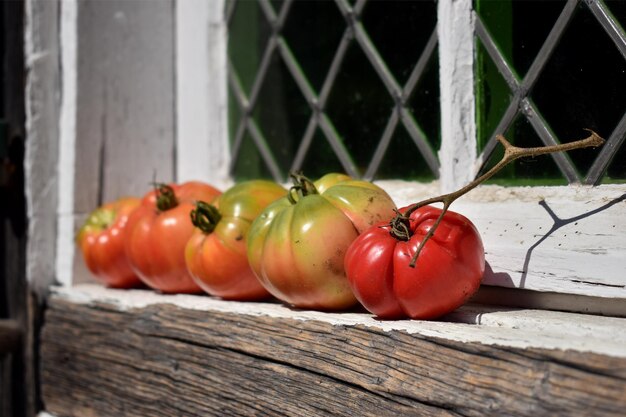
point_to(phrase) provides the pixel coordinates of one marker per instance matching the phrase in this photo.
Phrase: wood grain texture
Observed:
(100, 360)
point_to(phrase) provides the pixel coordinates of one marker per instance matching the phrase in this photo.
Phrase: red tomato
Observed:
(296, 247)
(101, 240)
(159, 230)
(216, 253)
(447, 273)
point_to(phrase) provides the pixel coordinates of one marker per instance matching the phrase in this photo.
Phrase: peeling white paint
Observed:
(42, 123)
(486, 325)
(455, 29)
(67, 143)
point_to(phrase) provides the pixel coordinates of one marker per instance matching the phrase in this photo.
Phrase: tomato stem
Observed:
(511, 153)
(205, 216)
(302, 186)
(165, 197)
(400, 227)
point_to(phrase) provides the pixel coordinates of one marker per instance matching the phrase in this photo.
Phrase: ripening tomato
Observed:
(216, 253)
(158, 231)
(296, 246)
(101, 241)
(448, 270)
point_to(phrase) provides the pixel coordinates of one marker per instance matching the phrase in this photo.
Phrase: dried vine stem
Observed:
(511, 153)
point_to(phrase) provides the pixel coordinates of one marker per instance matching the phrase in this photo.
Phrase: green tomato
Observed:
(296, 246)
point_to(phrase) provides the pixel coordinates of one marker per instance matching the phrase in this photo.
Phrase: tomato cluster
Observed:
(326, 245)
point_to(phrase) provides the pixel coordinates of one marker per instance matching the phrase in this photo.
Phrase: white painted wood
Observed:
(519, 328)
(42, 141)
(126, 101)
(455, 29)
(67, 151)
(201, 118)
(585, 255)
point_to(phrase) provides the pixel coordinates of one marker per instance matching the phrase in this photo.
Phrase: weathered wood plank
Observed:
(101, 358)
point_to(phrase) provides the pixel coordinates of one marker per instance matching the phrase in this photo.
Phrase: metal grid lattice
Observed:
(521, 102)
(354, 33)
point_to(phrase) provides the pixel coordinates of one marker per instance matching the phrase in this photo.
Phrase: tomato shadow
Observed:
(558, 223)
(500, 279)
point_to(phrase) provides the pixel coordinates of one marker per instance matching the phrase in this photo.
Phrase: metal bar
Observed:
(344, 7)
(267, 54)
(10, 336)
(548, 46)
(610, 25)
(508, 117)
(336, 143)
(420, 140)
(296, 72)
(282, 14)
(607, 153)
(547, 136)
(262, 72)
(318, 106)
(368, 47)
(335, 66)
(358, 7)
(305, 144)
(268, 10)
(419, 68)
(264, 150)
(244, 106)
(492, 49)
(234, 152)
(376, 60)
(235, 84)
(381, 149)
(229, 10)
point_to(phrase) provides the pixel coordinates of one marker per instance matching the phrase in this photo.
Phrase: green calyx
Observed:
(302, 186)
(165, 197)
(205, 216)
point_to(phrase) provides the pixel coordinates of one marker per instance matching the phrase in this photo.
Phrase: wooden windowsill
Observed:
(112, 352)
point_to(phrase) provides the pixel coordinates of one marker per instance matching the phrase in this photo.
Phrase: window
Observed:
(327, 86)
(359, 87)
(546, 70)
(321, 86)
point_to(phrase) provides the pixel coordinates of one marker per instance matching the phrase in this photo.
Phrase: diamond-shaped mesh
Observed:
(351, 109)
(561, 81)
